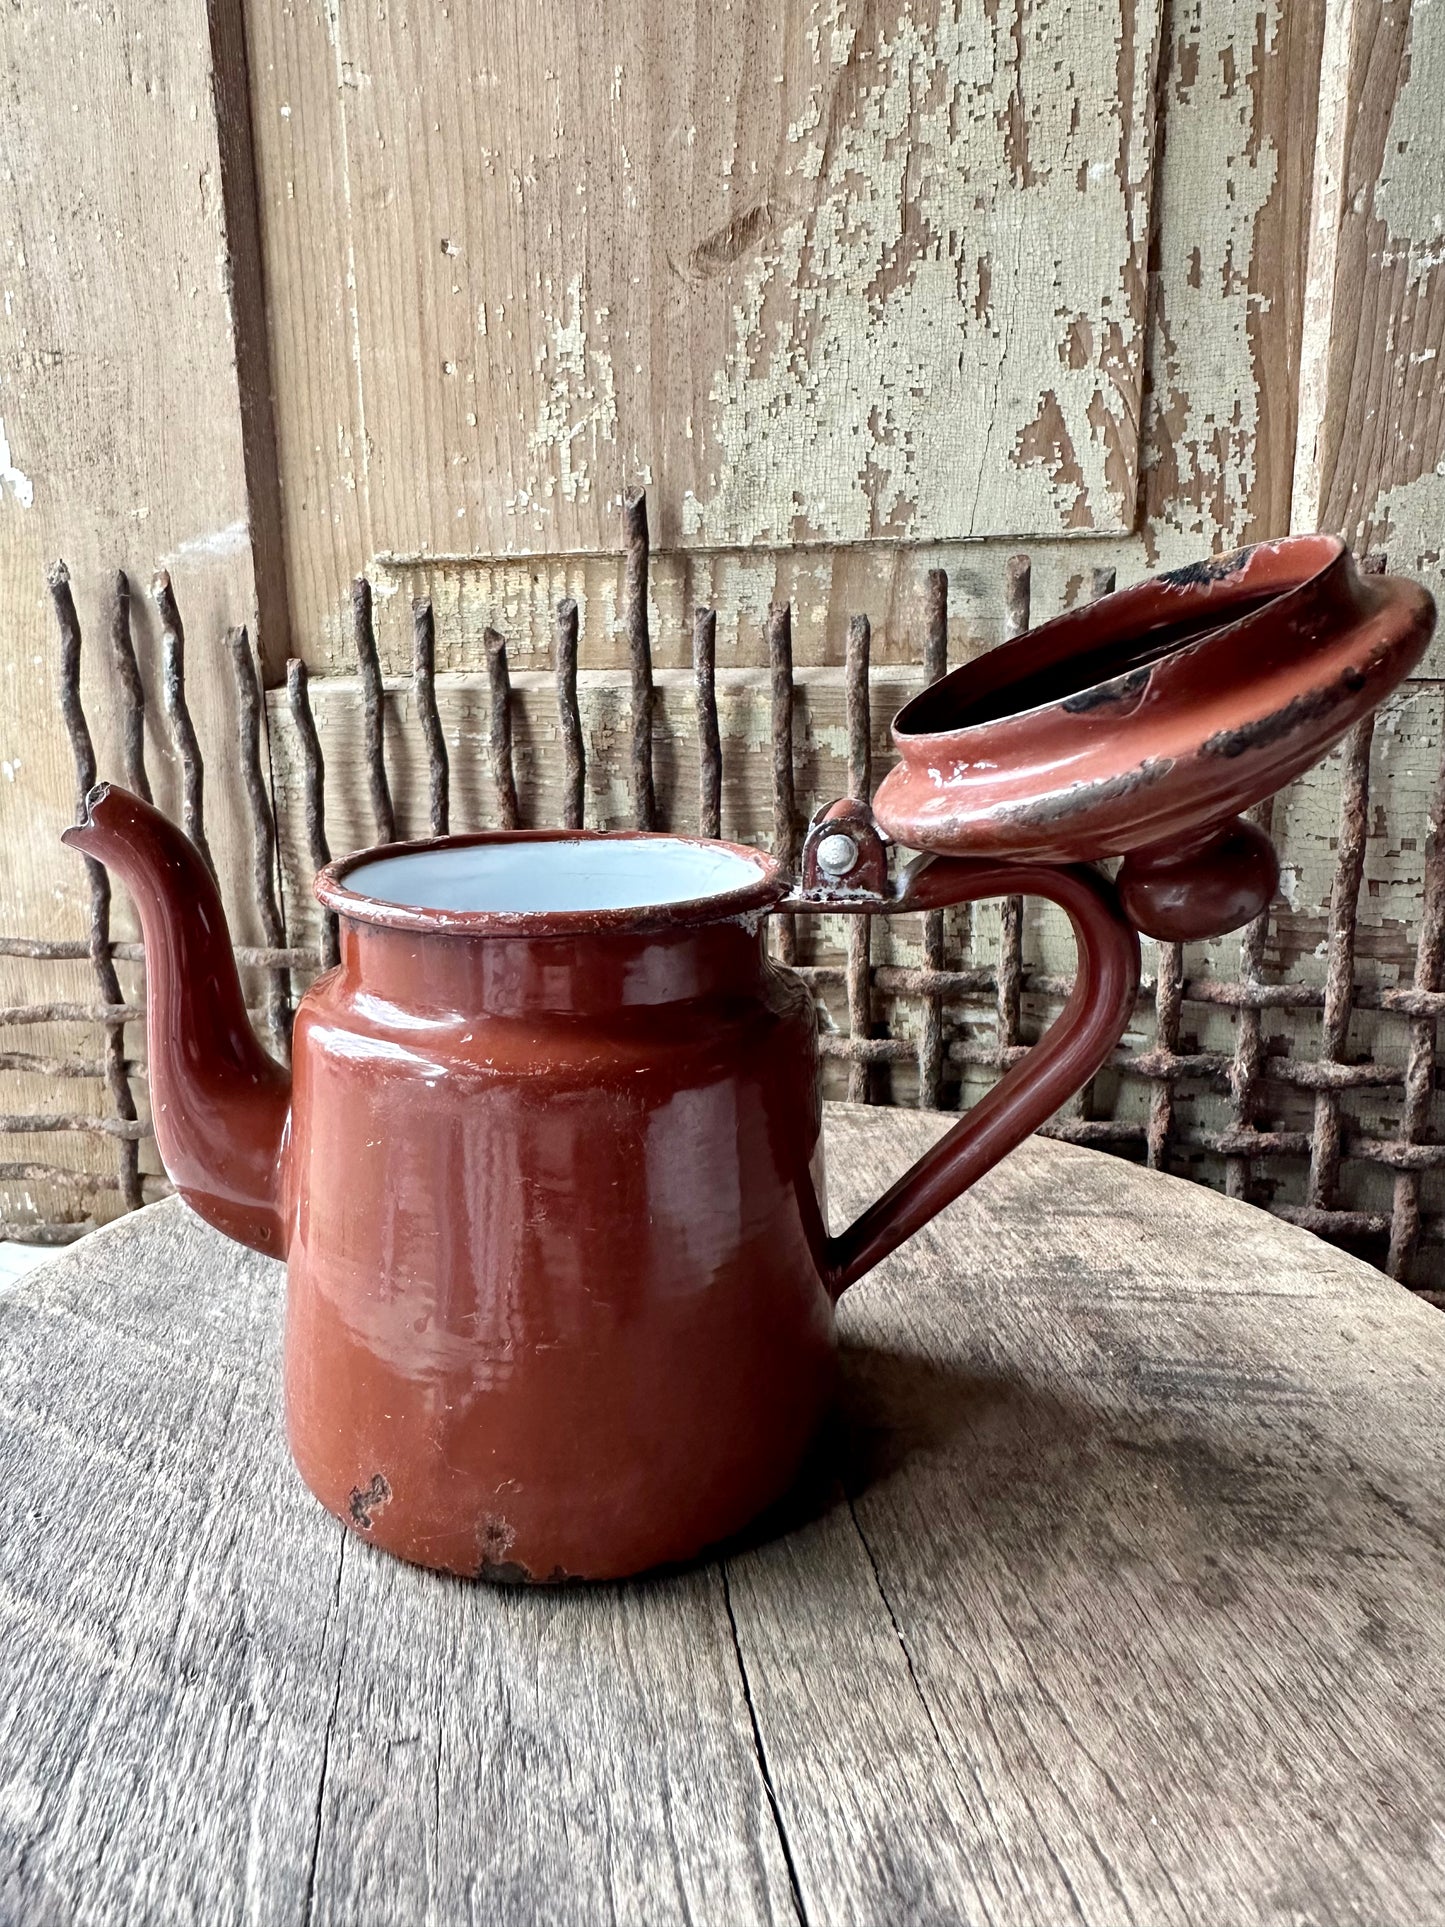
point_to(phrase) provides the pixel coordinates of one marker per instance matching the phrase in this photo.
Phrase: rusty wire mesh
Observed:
(880, 1018)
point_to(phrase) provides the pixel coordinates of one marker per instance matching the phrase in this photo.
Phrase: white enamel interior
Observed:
(585, 873)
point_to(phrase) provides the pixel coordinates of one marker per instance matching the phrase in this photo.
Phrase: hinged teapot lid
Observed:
(1152, 716)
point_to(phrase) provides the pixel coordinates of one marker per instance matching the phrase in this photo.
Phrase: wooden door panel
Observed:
(820, 272)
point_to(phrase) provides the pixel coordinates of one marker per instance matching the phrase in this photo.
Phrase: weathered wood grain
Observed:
(824, 586)
(1371, 457)
(1113, 1597)
(1238, 82)
(302, 188)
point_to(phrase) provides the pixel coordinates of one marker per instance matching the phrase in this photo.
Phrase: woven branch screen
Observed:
(1301, 1080)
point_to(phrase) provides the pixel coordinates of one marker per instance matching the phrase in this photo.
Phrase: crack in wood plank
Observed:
(333, 1613)
(760, 1751)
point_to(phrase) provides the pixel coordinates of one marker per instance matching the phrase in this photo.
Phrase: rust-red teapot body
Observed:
(558, 1295)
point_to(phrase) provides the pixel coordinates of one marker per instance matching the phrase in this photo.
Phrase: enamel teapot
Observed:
(547, 1170)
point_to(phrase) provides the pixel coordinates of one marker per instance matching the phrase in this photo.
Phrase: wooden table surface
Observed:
(1118, 1596)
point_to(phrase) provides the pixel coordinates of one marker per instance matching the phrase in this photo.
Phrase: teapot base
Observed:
(642, 1546)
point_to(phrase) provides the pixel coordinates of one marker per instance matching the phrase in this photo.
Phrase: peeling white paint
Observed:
(1204, 414)
(906, 352)
(215, 544)
(1410, 193)
(22, 489)
(579, 404)
(1408, 523)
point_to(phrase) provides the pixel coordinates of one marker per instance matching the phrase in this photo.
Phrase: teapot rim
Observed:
(748, 900)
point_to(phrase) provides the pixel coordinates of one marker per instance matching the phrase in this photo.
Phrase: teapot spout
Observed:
(219, 1103)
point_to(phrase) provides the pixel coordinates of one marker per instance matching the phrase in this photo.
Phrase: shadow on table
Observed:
(1034, 1470)
(894, 1407)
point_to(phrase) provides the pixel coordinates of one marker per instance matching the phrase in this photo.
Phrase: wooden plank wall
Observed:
(1121, 282)
(128, 279)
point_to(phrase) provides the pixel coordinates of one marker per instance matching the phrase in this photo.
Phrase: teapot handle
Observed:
(1075, 1045)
